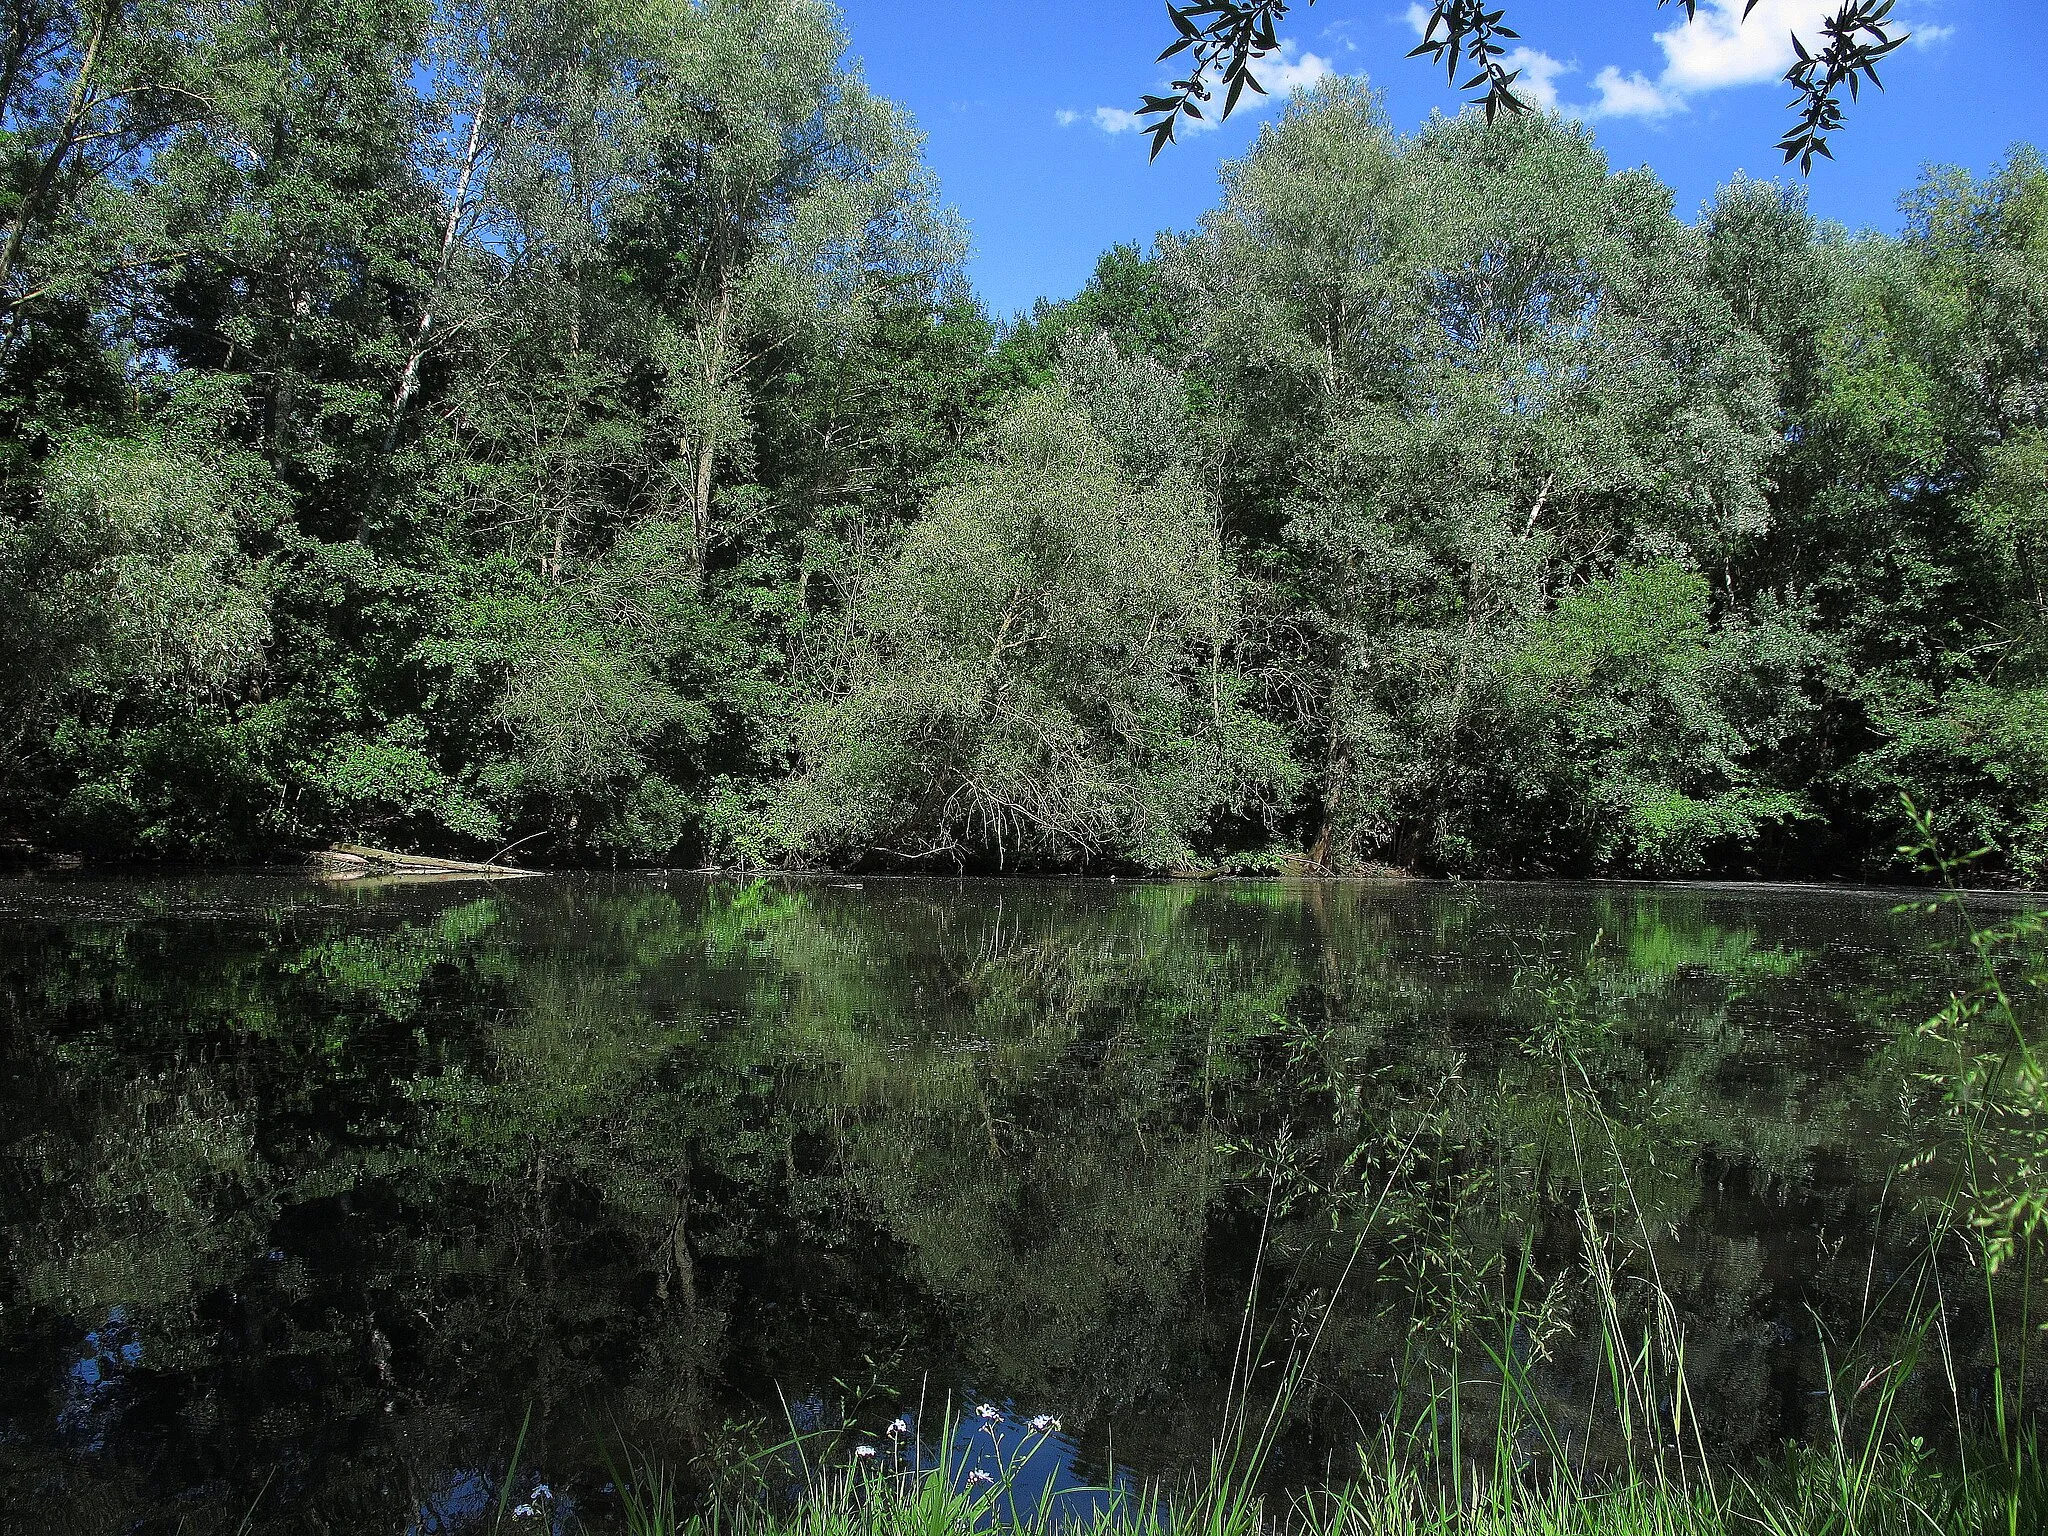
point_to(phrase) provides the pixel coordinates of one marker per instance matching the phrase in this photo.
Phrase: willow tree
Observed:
(782, 203)
(647, 210)
(126, 598)
(1222, 41)
(1464, 371)
(1045, 672)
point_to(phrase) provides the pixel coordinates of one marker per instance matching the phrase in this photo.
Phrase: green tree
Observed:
(1467, 371)
(1043, 672)
(1902, 511)
(1628, 682)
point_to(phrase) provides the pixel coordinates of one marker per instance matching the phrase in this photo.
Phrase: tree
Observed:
(1467, 370)
(1223, 39)
(88, 89)
(1638, 746)
(1042, 673)
(127, 606)
(1907, 510)
(562, 426)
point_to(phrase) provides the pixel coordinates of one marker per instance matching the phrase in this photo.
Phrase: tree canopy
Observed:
(568, 428)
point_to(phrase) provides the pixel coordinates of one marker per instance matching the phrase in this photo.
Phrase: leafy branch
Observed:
(1223, 39)
(1470, 33)
(1229, 33)
(1856, 37)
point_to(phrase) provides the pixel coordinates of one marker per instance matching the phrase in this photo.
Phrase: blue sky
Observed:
(1020, 104)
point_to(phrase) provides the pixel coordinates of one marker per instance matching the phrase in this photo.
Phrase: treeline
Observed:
(566, 425)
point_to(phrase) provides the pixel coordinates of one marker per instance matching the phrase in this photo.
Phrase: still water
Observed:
(314, 1194)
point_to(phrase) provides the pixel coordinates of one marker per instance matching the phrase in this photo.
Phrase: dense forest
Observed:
(567, 426)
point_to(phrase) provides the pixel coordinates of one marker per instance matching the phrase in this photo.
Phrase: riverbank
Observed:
(327, 866)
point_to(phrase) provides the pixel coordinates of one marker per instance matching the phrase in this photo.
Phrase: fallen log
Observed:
(385, 858)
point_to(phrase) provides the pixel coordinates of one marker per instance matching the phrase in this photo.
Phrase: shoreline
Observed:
(420, 869)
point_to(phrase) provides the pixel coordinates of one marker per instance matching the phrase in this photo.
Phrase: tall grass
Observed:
(1866, 1477)
(1894, 1494)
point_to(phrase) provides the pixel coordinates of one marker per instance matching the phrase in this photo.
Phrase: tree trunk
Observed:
(409, 379)
(1336, 770)
(53, 162)
(711, 355)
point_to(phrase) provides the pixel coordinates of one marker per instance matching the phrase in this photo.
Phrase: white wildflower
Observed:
(863, 1450)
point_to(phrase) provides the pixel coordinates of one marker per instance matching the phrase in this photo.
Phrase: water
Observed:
(314, 1194)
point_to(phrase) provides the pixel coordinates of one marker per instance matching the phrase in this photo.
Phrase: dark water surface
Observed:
(313, 1194)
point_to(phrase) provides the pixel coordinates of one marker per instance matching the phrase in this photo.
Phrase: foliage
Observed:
(1225, 38)
(1041, 668)
(1630, 685)
(1896, 1495)
(1472, 434)
(566, 428)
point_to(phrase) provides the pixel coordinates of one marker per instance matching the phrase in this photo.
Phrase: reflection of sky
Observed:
(1031, 1469)
(1041, 1468)
(461, 1498)
(110, 1351)
(464, 1499)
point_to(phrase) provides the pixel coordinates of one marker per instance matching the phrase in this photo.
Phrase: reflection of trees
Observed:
(368, 1173)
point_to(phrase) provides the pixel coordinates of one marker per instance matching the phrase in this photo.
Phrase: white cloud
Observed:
(1537, 72)
(1283, 77)
(1339, 33)
(1537, 81)
(1717, 48)
(1720, 47)
(1291, 71)
(1630, 95)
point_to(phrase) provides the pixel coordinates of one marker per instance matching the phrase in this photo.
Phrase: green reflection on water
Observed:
(326, 1186)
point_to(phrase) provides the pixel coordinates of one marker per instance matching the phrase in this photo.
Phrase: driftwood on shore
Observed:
(344, 858)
